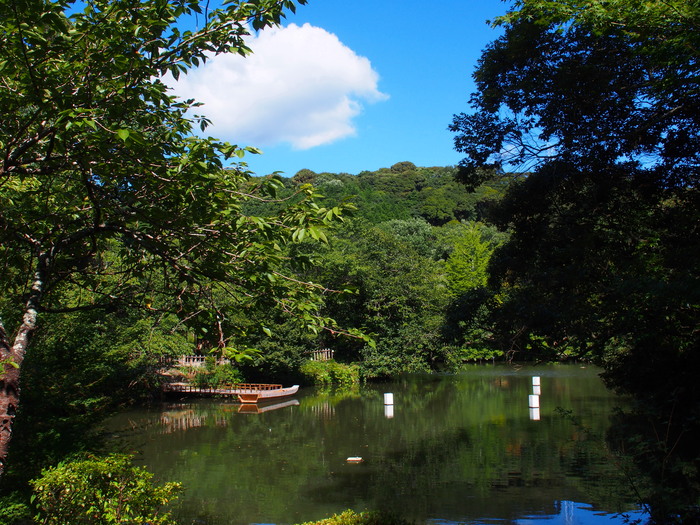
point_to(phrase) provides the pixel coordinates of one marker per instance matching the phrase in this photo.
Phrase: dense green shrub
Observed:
(326, 373)
(214, 375)
(101, 490)
(350, 517)
(481, 353)
(13, 509)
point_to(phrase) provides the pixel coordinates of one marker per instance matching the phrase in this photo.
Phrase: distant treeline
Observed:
(404, 191)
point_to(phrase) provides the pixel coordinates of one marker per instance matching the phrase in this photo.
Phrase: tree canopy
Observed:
(589, 85)
(107, 195)
(598, 104)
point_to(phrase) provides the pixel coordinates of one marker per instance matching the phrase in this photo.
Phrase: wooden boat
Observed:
(252, 393)
(245, 392)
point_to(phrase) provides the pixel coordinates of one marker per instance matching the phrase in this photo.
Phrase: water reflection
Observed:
(389, 405)
(259, 408)
(451, 449)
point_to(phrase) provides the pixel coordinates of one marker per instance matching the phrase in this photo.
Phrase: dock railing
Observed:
(192, 361)
(224, 389)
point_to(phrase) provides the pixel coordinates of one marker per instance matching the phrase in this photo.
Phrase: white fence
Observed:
(195, 361)
(326, 354)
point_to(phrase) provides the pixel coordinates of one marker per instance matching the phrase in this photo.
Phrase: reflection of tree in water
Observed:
(322, 403)
(666, 463)
(490, 470)
(455, 447)
(460, 449)
(186, 417)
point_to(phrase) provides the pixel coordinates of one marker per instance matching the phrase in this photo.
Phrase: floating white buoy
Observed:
(388, 398)
(536, 380)
(534, 401)
(355, 459)
(536, 389)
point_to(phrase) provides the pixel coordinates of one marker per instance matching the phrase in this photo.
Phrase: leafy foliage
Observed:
(327, 373)
(84, 365)
(598, 103)
(108, 199)
(350, 517)
(587, 90)
(406, 192)
(467, 264)
(13, 509)
(598, 221)
(102, 490)
(214, 375)
(392, 260)
(399, 299)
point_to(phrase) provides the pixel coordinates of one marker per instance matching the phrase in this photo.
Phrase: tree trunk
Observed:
(11, 358)
(9, 401)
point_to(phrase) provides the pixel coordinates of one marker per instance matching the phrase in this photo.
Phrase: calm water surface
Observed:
(452, 449)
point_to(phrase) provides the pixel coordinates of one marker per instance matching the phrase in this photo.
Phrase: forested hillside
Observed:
(405, 191)
(408, 268)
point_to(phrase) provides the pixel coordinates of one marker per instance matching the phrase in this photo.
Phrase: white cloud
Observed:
(300, 86)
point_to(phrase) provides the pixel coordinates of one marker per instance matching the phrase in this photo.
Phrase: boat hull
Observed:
(263, 395)
(246, 393)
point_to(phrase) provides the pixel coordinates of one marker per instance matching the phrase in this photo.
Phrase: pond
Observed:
(464, 448)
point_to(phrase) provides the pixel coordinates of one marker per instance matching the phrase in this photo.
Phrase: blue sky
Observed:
(348, 86)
